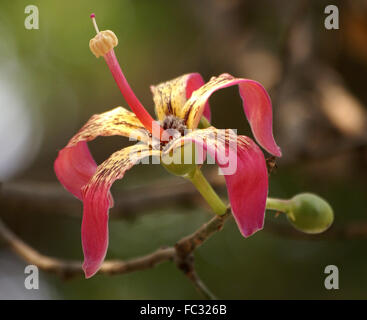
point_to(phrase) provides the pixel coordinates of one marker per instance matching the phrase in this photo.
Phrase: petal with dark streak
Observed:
(170, 96)
(96, 203)
(256, 104)
(75, 165)
(244, 168)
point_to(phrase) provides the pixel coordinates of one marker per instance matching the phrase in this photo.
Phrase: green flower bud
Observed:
(310, 213)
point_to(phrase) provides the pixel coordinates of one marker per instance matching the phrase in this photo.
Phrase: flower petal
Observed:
(117, 121)
(96, 203)
(169, 97)
(256, 104)
(74, 165)
(243, 164)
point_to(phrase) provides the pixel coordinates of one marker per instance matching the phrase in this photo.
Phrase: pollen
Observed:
(103, 42)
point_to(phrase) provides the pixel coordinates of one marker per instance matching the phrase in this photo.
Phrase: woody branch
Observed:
(181, 254)
(45, 198)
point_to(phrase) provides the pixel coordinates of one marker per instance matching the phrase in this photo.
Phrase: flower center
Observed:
(174, 123)
(174, 128)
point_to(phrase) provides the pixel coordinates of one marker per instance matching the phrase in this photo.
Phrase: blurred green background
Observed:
(50, 84)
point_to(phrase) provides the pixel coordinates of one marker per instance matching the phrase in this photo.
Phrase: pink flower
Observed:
(179, 104)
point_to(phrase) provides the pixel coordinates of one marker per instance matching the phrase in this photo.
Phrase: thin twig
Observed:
(189, 243)
(181, 253)
(68, 269)
(200, 286)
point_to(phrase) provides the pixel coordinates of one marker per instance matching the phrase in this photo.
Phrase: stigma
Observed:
(103, 42)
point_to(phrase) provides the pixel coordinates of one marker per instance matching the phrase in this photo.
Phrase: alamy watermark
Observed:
(32, 20)
(332, 20)
(332, 280)
(31, 281)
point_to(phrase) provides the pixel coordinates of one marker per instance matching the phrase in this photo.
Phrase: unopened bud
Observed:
(310, 213)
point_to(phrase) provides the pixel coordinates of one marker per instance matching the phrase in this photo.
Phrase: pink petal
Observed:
(95, 227)
(245, 173)
(96, 203)
(256, 104)
(248, 189)
(258, 110)
(74, 167)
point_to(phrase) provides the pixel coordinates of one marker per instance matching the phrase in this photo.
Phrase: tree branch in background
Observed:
(181, 254)
(49, 199)
(52, 199)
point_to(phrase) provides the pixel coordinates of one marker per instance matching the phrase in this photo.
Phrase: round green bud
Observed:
(180, 161)
(310, 213)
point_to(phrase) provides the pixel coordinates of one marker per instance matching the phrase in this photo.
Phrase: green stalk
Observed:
(306, 212)
(277, 204)
(206, 190)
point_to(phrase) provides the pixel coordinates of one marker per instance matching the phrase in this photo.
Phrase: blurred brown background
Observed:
(50, 84)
